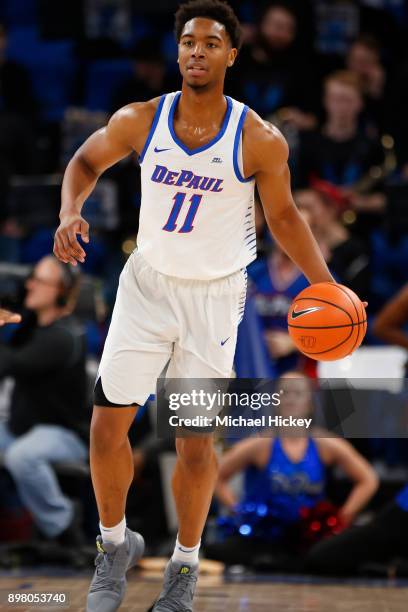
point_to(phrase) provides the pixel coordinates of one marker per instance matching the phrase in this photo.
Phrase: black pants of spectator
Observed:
(380, 542)
(253, 552)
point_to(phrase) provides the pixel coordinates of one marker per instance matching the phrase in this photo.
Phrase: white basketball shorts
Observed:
(191, 325)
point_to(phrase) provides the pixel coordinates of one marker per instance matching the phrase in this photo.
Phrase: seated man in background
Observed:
(48, 411)
(340, 152)
(345, 254)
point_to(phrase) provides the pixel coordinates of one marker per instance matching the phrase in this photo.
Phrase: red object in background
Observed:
(15, 526)
(320, 522)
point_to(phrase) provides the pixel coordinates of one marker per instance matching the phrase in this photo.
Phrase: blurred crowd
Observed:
(330, 75)
(333, 76)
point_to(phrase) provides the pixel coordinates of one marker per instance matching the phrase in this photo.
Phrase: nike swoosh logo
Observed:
(295, 314)
(157, 150)
(224, 341)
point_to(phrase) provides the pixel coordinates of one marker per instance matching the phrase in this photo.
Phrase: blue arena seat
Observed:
(52, 67)
(18, 12)
(103, 77)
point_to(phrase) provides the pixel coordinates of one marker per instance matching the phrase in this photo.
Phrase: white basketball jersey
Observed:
(197, 217)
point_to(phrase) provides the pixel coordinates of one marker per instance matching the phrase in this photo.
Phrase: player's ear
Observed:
(232, 57)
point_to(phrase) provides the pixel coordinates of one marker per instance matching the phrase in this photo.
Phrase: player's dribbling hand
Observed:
(66, 246)
(8, 317)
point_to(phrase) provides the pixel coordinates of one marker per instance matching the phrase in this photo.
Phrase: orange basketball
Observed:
(327, 321)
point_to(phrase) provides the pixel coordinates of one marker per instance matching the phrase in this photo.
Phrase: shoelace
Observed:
(102, 581)
(178, 586)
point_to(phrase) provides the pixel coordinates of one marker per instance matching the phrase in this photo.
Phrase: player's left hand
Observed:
(8, 317)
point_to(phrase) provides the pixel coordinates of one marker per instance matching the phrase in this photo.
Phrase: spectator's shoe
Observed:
(178, 590)
(108, 585)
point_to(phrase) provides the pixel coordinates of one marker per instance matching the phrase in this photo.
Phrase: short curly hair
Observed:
(212, 9)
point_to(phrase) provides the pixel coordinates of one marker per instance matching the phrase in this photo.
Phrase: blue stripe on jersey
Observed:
(240, 125)
(153, 128)
(209, 144)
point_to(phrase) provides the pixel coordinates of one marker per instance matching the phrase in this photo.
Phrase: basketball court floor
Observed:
(217, 594)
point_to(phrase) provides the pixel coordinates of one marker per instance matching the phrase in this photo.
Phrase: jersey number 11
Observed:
(187, 226)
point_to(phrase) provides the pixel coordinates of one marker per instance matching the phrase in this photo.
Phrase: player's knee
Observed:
(104, 437)
(196, 452)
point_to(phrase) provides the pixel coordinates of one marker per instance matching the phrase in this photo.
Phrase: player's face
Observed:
(205, 53)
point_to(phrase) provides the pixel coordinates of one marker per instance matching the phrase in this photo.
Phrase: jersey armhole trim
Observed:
(152, 129)
(237, 138)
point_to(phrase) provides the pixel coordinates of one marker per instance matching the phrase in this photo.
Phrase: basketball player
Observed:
(181, 293)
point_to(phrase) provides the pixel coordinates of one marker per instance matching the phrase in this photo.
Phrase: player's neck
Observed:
(201, 104)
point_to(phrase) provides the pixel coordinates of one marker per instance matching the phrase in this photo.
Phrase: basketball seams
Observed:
(326, 326)
(358, 316)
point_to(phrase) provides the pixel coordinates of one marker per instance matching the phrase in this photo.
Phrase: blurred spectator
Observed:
(397, 116)
(285, 482)
(149, 78)
(48, 419)
(346, 255)
(340, 152)
(337, 24)
(391, 322)
(364, 59)
(272, 74)
(276, 281)
(108, 19)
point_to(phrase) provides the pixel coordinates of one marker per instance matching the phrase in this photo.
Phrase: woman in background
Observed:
(284, 493)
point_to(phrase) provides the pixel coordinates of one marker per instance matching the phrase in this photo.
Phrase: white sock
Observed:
(183, 554)
(114, 535)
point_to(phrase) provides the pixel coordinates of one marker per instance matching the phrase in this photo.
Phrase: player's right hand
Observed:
(66, 246)
(8, 317)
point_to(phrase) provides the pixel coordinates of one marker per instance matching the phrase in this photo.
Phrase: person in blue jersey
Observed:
(181, 293)
(275, 282)
(284, 482)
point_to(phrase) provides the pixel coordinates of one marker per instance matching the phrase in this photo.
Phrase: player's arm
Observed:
(339, 452)
(266, 156)
(389, 323)
(126, 131)
(235, 460)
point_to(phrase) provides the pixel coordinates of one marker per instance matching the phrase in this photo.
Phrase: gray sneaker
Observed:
(108, 584)
(178, 590)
